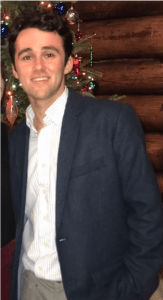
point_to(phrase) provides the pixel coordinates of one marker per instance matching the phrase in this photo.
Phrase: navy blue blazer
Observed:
(109, 225)
(7, 215)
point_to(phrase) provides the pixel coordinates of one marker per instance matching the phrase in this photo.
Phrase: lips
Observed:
(40, 78)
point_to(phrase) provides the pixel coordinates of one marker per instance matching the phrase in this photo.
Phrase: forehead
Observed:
(36, 39)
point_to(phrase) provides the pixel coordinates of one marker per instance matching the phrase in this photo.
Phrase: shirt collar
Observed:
(54, 114)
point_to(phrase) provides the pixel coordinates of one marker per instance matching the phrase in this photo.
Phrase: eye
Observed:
(27, 57)
(49, 55)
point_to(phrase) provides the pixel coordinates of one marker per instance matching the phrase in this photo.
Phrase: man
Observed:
(85, 197)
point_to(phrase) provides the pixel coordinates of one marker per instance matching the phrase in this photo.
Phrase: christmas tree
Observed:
(82, 77)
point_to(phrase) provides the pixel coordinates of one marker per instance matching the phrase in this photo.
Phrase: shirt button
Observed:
(44, 192)
(43, 165)
(39, 268)
(45, 217)
(45, 244)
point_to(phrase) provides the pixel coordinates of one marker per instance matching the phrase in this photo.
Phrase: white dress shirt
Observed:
(40, 253)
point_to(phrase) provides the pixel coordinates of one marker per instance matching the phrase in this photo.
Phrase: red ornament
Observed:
(11, 110)
(76, 62)
(9, 93)
(78, 35)
(77, 72)
(84, 89)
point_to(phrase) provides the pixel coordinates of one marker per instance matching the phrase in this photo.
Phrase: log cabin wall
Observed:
(128, 50)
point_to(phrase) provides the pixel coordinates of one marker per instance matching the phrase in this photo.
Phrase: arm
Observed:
(7, 215)
(144, 257)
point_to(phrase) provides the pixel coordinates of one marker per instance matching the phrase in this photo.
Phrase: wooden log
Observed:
(154, 146)
(148, 108)
(130, 77)
(159, 177)
(114, 9)
(128, 38)
(102, 10)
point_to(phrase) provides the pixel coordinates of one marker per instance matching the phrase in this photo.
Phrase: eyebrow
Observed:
(26, 50)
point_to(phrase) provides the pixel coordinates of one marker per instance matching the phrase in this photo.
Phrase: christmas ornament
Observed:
(92, 86)
(78, 35)
(77, 72)
(76, 64)
(72, 16)
(84, 89)
(11, 110)
(9, 93)
(4, 30)
(61, 8)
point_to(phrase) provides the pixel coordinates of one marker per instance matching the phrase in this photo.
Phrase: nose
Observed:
(38, 64)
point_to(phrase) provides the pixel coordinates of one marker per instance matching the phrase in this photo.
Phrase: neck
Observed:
(38, 124)
(39, 111)
(39, 107)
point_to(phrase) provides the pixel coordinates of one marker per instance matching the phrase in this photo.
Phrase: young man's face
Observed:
(40, 64)
(2, 85)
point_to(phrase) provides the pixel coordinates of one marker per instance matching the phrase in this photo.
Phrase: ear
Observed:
(69, 65)
(14, 72)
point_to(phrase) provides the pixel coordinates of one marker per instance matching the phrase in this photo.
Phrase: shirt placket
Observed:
(43, 199)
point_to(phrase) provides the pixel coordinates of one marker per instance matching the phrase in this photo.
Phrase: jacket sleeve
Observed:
(7, 215)
(144, 257)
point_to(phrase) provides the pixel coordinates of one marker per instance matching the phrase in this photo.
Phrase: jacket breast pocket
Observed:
(106, 274)
(87, 168)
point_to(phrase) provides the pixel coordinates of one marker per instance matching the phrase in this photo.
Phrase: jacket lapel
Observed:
(23, 159)
(69, 134)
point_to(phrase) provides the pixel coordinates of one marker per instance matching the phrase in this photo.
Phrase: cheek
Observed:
(57, 65)
(24, 73)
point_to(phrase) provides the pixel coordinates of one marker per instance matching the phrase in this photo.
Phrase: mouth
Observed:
(38, 79)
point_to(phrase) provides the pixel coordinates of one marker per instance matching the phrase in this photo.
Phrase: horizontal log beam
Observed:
(159, 177)
(130, 77)
(97, 10)
(154, 146)
(148, 108)
(115, 9)
(128, 38)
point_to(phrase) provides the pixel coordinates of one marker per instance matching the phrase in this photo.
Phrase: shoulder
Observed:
(105, 109)
(18, 133)
(95, 103)
(19, 128)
